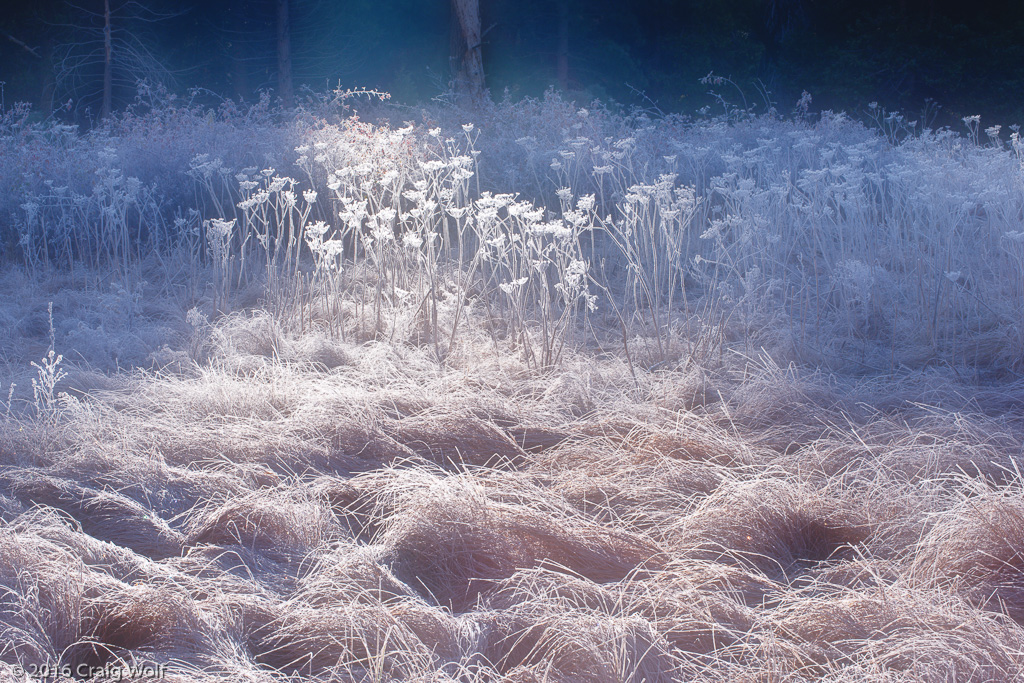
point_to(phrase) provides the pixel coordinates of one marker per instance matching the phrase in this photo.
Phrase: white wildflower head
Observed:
(432, 165)
(513, 286)
(216, 227)
(31, 209)
(382, 233)
(575, 273)
(331, 252)
(317, 228)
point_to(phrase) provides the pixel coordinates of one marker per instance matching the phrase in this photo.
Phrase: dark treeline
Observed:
(904, 54)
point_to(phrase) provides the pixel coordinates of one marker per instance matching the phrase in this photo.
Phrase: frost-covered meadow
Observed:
(528, 392)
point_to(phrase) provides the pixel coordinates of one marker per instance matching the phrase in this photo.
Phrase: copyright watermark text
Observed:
(107, 672)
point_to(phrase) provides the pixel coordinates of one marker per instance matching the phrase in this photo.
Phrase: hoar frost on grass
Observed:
(562, 395)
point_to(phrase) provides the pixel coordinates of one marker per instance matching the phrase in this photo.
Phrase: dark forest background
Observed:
(934, 60)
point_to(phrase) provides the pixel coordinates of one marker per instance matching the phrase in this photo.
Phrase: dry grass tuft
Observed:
(351, 574)
(978, 546)
(537, 438)
(635, 490)
(703, 444)
(576, 646)
(900, 631)
(107, 516)
(323, 353)
(780, 527)
(453, 542)
(54, 527)
(350, 641)
(283, 521)
(42, 595)
(144, 621)
(457, 441)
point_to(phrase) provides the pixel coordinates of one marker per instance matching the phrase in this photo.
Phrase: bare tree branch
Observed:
(30, 49)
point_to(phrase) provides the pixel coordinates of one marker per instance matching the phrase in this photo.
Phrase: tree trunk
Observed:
(284, 53)
(563, 44)
(469, 78)
(108, 71)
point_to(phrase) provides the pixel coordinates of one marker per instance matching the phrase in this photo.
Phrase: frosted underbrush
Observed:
(821, 240)
(529, 393)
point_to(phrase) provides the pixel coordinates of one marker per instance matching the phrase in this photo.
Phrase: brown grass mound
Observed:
(691, 621)
(695, 440)
(702, 621)
(537, 438)
(105, 515)
(456, 441)
(453, 542)
(363, 447)
(561, 591)
(972, 650)
(353, 503)
(54, 527)
(833, 627)
(348, 641)
(350, 574)
(41, 598)
(782, 528)
(922, 635)
(573, 646)
(210, 571)
(742, 585)
(921, 448)
(694, 444)
(435, 628)
(280, 521)
(143, 621)
(630, 489)
(978, 546)
(321, 352)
